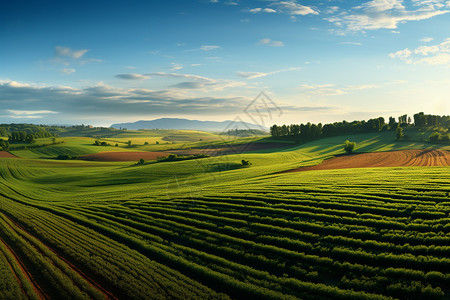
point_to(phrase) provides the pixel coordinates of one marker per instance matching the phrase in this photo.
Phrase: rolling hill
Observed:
(175, 123)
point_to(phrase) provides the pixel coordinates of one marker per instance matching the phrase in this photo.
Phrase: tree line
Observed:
(312, 131)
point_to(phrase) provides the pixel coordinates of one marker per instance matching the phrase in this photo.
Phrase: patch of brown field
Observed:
(232, 149)
(4, 154)
(405, 158)
(123, 156)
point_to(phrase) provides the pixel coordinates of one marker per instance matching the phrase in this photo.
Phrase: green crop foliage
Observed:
(198, 229)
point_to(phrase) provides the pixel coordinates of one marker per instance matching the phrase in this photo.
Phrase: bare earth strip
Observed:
(4, 154)
(405, 158)
(37, 289)
(107, 294)
(123, 156)
(11, 267)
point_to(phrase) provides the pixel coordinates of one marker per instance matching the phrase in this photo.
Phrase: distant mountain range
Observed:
(174, 123)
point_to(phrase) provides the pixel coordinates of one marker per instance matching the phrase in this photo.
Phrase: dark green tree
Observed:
(349, 146)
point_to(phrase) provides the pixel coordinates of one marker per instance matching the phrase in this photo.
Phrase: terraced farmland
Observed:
(182, 230)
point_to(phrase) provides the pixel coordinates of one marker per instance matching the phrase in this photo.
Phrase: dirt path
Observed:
(405, 158)
(37, 289)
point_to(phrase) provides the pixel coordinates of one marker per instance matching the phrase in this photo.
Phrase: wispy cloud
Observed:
(252, 75)
(294, 8)
(68, 56)
(426, 39)
(209, 47)
(269, 42)
(175, 66)
(433, 55)
(68, 71)
(205, 48)
(24, 101)
(132, 76)
(28, 114)
(61, 51)
(377, 14)
(351, 43)
(262, 10)
(330, 89)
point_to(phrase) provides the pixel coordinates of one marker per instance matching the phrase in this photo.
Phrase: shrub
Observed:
(349, 146)
(245, 163)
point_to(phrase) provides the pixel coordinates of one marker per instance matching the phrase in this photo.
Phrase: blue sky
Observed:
(103, 62)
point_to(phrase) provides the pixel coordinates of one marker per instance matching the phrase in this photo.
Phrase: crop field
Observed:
(212, 229)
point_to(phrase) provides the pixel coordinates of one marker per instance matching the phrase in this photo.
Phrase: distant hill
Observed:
(174, 123)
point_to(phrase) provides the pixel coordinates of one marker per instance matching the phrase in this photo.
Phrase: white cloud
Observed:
(294, 8)
(332, 89)
(401, 53)
(67, 56)
(377, 14)
(30, 101)
(252, 75)
(30, 112)
(209, 47)
(175, 66)
(264, 10)
(433, 55)
(427, 39)
(68, 71)
(269, 42)
(130, 67)
(67, 52)
(351, 43)
(132, 76)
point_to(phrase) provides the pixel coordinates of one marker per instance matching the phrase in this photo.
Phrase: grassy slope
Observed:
(85, 191)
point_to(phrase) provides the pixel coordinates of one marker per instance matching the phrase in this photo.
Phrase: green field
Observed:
(211, 229)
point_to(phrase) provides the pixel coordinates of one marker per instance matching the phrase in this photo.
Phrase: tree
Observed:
(4, 145)
(129, 143)
(245, 163)
(435, 137)
(399, 133)
(349, 146)
(141, 161)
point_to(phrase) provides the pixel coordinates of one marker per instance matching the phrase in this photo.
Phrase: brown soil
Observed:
(123, 156)
(37, 289)
(4, 154)
(107, 294)
(232, 149)
(406, 158)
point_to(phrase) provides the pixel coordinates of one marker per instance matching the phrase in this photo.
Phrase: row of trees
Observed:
(311, 131)
(23, 136)
(39, 131)
(422, 120)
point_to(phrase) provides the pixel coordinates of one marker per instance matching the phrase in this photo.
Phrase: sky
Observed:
(263, 61)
